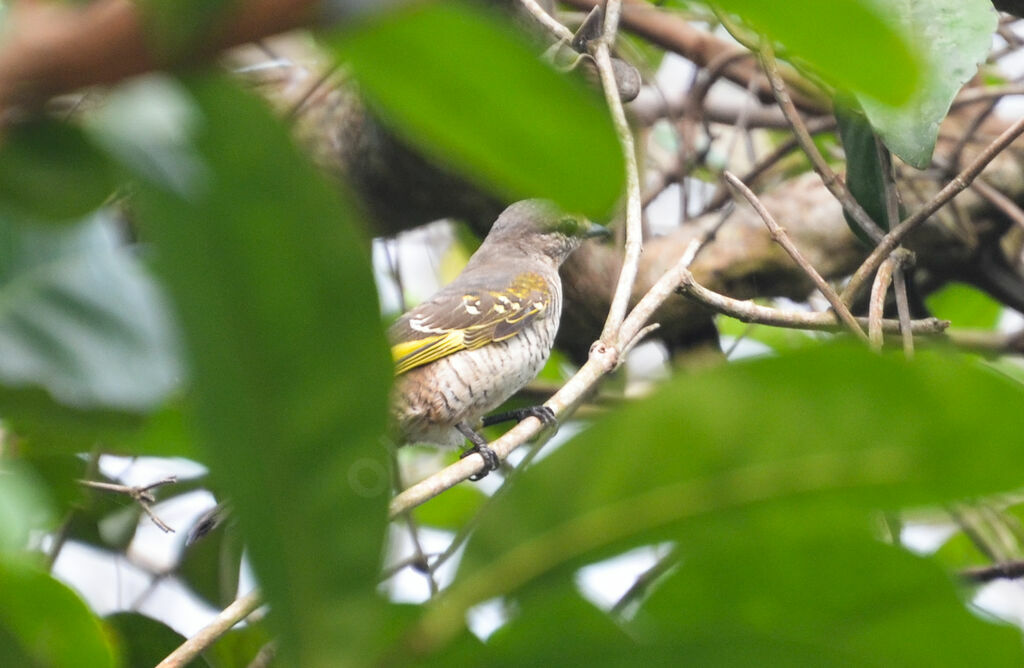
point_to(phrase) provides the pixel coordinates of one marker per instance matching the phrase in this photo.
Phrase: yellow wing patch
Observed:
(475, 320)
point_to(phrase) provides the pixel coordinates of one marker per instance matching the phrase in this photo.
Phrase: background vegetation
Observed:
(185, 273)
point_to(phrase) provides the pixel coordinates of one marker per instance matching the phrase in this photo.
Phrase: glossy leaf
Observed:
(291, 370)
(954, 37)
(854, 43)
(461, 85)
(52, 171)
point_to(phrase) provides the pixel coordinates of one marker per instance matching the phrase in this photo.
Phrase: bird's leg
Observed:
(542, 413)
(491, 461)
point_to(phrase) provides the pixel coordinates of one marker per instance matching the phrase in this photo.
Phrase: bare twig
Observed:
(897, 234)
(601, 50)
(783, 239)
(1010, 570)
(557, 30)
(835, 185)
(141, 495)
(222, 623)
(899, 286)
(748, 311)
(877, 304)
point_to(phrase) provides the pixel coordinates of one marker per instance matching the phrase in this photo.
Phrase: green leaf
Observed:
(25, 505)
(142, 641)
(954, 37)
(865, 176)
(764, 589)
(452, 509)
(964, 306)
(43, 623)
(854, 43)
(290, 367)
(462, 86)
(51, 171)
(82, 319)
(827, 427)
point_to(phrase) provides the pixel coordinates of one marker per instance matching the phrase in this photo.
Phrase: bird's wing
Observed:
(463, 319)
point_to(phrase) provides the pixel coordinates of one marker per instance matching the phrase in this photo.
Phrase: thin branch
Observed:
(1010, 570)
(835, 185)
(141, 495)
(222, 623)
(600, 49)
(748, 311)
(877, 304)
(645, 580)
(899, 286)
(783, 239)
(897, 234)
(557, 30)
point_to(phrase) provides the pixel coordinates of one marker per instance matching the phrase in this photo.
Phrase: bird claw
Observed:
(491, 461)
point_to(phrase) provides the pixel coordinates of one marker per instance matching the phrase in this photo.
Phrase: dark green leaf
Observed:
(211, 565)
(291, 369)
(43, 623)
(142, 641)
(835, 37)
(51, 171)
(865, 175)
(464, 87)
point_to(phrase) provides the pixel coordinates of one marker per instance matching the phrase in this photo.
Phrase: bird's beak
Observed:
(595, 230)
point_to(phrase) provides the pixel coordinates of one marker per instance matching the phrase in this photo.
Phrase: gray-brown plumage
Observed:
(464, 351)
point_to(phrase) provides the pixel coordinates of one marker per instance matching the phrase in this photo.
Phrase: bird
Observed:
(461, 353)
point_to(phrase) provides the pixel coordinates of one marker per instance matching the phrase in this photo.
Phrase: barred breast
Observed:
(428, 401)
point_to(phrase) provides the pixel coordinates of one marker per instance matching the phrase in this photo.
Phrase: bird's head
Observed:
(536, 225)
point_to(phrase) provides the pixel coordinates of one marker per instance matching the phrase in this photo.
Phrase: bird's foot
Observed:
(491, 461)
(542, 413)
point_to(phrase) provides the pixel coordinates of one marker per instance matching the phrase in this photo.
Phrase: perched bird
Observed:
(464, 351)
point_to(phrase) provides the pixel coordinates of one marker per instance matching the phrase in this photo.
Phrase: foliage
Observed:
(240, 328)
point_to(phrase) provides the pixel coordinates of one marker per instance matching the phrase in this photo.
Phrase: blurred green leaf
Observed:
(452, 509)
(291, 369)
(854, 43)
(239, 647)
(51, 171)
(954, 37)
(43, 623)
(175, 27)
(779, 339)
(461, 85)
(212, 564)
(142, 641)
(964, 306)
(830, 426)
(25, 504)
(765, 588)
(81, 318)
